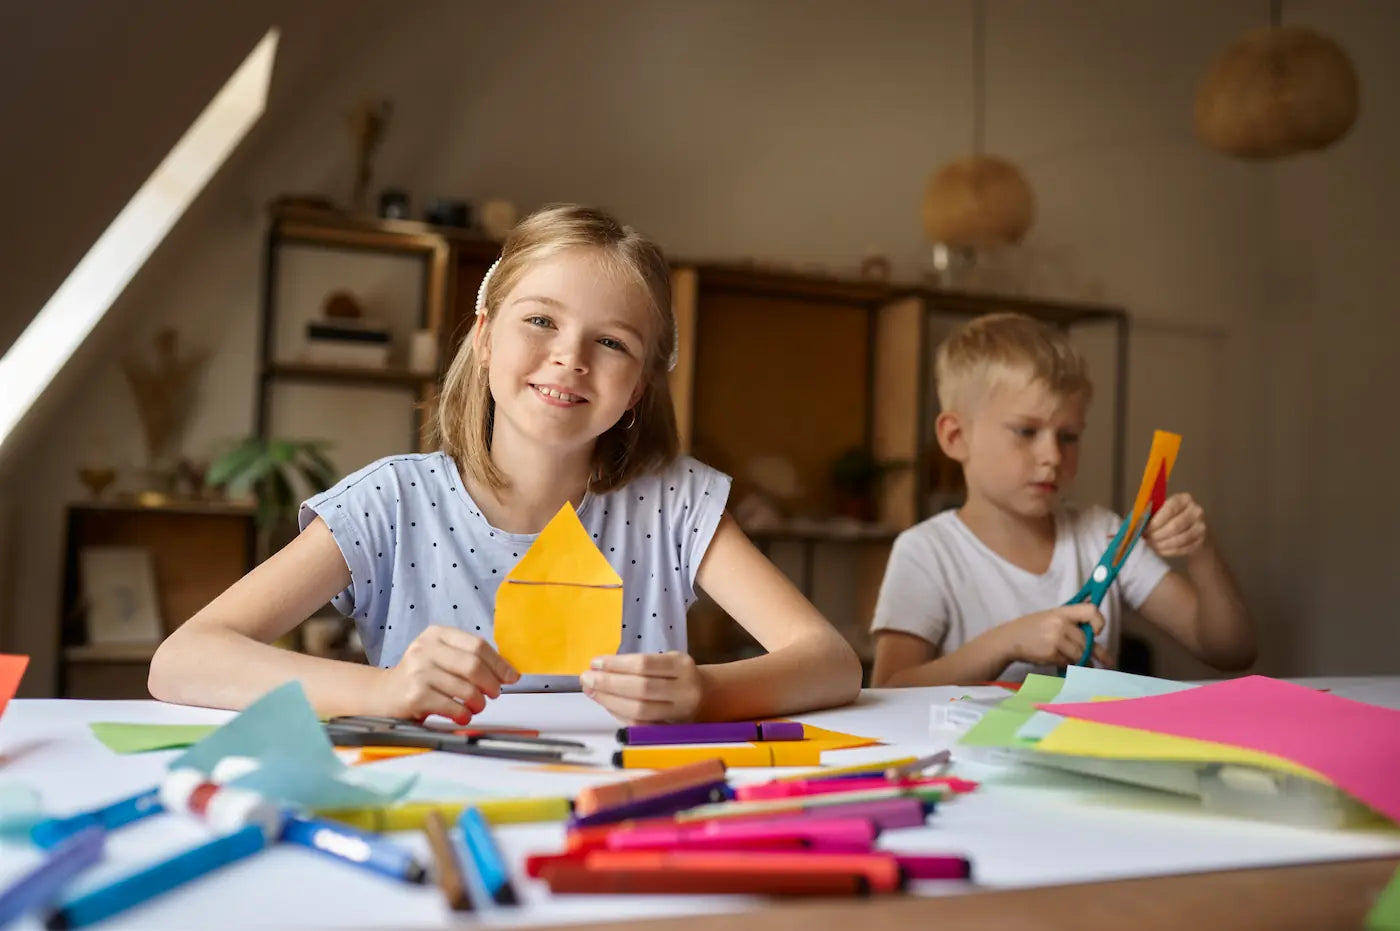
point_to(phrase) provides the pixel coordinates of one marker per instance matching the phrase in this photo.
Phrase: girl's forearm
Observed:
(196, 666)
(807, 676)
(1224, 627)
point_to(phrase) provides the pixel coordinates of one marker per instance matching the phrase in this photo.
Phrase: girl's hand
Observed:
(1179, 529)
(640, 688)
(444, 671)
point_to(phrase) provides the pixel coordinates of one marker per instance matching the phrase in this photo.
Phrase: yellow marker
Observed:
(876, 768)
(411, 815)
(776, 753)
(561, 605)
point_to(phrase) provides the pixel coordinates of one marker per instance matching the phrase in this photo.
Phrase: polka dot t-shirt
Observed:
(421, 553)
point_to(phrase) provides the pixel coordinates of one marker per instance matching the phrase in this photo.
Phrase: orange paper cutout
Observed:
(561, 605)
(11, 671)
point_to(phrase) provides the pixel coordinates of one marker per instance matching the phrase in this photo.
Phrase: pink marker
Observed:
(796, 788)
(827, 835)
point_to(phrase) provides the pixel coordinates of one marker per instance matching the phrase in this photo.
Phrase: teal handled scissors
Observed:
(1096, 587)
(1152, 494)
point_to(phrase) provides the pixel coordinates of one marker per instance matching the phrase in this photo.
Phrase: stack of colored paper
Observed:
(1295, 732)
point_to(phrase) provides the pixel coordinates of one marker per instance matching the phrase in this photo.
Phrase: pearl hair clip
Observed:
(481, 312)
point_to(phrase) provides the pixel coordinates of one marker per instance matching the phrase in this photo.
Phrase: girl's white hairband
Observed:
(481, 311)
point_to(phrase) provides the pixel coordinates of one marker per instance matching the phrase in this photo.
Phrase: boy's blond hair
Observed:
(998, 349)
(465, 410)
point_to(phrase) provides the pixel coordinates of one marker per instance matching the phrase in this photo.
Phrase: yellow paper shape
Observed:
(834, 740)
(1077, 737)
(561, 605)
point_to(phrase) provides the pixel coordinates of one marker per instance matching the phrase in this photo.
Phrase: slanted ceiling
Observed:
(95, 96)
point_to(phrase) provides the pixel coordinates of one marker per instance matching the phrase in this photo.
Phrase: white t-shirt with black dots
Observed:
(421, 553)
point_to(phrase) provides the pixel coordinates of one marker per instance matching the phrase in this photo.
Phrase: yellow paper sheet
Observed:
(1076, 737)
(834, 740)
(561, 605)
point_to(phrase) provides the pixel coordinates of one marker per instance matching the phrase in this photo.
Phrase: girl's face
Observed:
(566, 351)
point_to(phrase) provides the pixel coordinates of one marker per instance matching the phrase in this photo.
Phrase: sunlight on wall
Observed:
(99, 278)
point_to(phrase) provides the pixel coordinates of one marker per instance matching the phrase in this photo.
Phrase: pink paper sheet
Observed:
(1355, 745)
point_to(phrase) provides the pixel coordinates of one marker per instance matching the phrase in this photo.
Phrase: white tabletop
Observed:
(1025, 826)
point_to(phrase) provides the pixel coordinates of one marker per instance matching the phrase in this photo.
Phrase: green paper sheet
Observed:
(1087, 683)
(143, 738)
(1386, 915)
(998, 726)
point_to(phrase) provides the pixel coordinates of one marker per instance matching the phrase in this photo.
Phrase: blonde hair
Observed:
(994, 350)
(465, 412)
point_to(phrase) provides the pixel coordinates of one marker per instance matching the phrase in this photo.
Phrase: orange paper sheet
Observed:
(11, 671)
(561, 605)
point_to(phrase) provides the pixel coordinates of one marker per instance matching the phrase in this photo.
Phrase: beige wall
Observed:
(804, 132)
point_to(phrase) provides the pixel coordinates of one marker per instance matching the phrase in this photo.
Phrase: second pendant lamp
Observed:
(980, 200)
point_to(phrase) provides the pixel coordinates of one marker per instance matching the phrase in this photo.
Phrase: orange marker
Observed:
(794, 753)
(447, 870)
(612, 794)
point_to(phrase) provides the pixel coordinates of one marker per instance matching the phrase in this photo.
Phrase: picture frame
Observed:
(119, 594)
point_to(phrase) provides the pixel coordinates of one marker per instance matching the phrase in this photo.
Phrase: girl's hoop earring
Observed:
(633, 422)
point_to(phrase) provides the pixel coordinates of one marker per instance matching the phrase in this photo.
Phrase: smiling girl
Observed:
(559, 396)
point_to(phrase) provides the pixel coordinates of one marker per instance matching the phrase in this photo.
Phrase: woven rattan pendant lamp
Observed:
(980, 200)
(1277, 91)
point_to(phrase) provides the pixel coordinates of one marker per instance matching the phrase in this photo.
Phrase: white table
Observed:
(1024, 827)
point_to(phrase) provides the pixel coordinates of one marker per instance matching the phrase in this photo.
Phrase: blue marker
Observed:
(133, 890)
(53, 831)
(42, 885)
(486, 856)
(354, 846)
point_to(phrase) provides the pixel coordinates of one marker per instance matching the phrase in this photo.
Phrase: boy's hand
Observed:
(1178, 529)
(444, 671)
(640, 688)
(1053, 638)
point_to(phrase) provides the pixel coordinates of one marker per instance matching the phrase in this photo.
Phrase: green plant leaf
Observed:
(233, 462)
(253, 473)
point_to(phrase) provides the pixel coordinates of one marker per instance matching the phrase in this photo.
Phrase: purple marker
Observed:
(657, 805)
(716, 733)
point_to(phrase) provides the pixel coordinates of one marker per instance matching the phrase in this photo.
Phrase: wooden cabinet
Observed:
(197, 550)
(803, 368)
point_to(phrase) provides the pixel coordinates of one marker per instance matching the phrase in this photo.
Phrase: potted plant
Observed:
(276, 473)
(855, 477)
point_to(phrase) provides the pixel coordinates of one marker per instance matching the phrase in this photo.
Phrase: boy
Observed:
(978, 593)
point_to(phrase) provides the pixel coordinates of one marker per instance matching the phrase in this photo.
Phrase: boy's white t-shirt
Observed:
(945, 585)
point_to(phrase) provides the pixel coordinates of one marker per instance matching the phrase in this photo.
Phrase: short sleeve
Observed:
(360, 513)
(913, 594)
(697, 506)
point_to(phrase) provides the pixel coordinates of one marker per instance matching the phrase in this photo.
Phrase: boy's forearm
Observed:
(1224, 628)
(981, 659)
(193, 667)
(804, 677)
